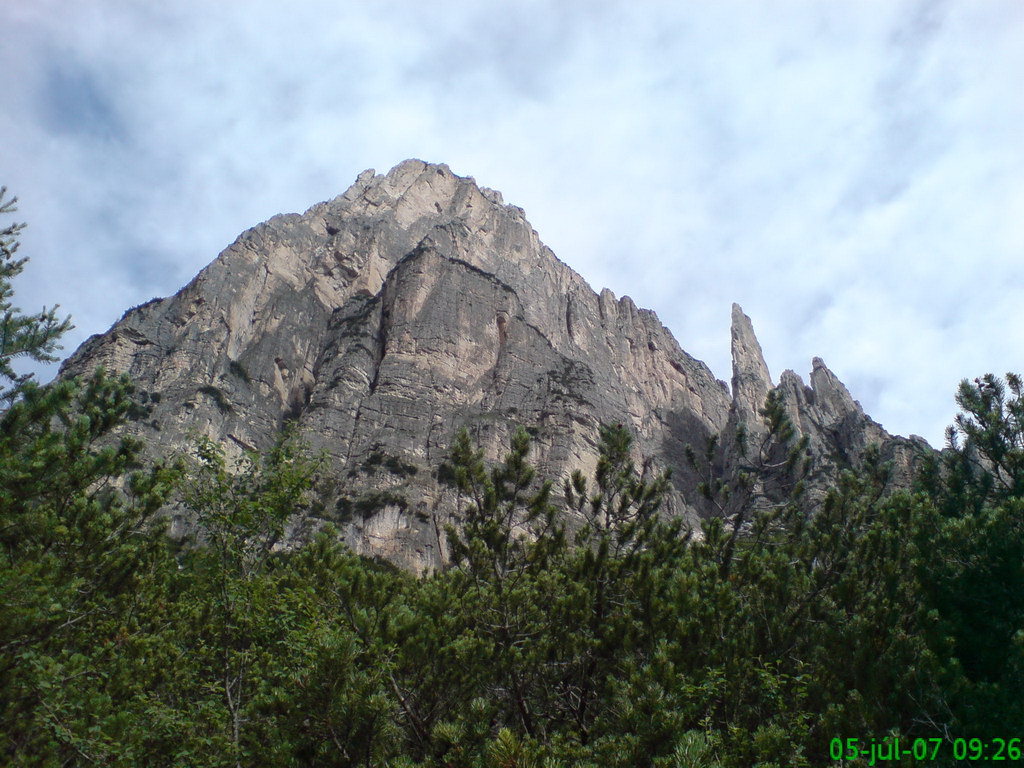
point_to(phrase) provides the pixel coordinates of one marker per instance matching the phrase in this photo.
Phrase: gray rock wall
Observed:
(415, 304)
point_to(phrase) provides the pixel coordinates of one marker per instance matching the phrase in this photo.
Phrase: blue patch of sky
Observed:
(72, 101)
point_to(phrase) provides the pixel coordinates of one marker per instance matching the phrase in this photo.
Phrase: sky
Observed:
(852, 173)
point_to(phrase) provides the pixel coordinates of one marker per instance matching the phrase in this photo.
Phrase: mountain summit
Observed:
(418, 303)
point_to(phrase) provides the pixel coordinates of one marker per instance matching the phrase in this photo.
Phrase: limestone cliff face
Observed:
(415, 304)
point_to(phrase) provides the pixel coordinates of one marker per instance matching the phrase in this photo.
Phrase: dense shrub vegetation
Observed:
(618, 640)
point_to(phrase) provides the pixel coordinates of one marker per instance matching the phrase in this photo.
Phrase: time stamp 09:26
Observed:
(896, 749)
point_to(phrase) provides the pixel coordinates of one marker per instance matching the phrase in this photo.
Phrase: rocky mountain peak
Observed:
(415, 304)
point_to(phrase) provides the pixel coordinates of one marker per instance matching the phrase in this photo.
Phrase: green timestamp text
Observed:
(893, 749)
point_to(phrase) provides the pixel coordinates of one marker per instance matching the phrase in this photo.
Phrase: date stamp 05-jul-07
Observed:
(894, 749)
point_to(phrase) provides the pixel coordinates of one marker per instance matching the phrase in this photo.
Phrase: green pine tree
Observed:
(31, 336)
(77, 546)
(975, 576)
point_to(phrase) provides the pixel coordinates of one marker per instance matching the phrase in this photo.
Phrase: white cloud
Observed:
(850, 173)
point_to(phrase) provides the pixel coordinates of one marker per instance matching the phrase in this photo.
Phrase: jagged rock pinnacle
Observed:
(830, 394)
(750, 378)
